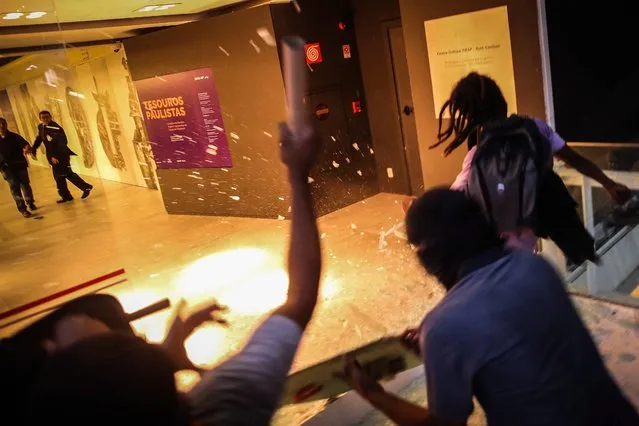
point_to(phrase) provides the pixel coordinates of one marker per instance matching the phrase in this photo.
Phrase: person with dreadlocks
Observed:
(478, 113)
(476, 101)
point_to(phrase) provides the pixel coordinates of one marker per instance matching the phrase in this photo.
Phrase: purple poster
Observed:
(7, 112)
(184, 121)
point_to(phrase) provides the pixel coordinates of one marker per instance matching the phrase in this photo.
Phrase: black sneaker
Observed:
(26, 214)
(33, 207)
(86, 192)
(64, 200)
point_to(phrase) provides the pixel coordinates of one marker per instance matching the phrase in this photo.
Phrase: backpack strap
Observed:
(514, 124)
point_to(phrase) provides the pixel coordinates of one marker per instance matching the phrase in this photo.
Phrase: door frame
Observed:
(413, 165)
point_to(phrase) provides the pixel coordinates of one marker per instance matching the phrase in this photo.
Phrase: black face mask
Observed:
(440, 265)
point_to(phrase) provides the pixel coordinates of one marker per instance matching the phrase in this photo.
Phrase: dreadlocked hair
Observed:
(475, 101)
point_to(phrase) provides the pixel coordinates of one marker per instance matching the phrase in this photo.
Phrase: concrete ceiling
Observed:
(81, 22)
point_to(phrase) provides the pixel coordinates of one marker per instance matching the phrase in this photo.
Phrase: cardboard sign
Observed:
(382, 360)
(346, 50)
(313, 53)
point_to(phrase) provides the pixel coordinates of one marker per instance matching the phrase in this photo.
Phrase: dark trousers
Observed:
(63, 172)
(20, 186)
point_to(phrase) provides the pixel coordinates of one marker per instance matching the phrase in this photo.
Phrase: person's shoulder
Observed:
(528, 257)
(520, 270)
(447, 328)
(536, 125)
(444, 319)
(525, 264)
(14, 137)
(541, 123)
(556, 141)
(516, 258)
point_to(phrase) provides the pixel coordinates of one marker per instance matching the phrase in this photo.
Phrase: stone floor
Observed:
(614, 327)
(372, 284)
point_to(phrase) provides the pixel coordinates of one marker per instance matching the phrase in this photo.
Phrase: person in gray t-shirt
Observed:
(506, 333)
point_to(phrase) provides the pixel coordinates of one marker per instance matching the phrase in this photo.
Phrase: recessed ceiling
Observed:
(62, 11)
(30, 66)
(19, 43)
(69, 22)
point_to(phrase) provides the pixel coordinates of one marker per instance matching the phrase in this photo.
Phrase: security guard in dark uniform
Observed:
(59, 155)
(13, 168)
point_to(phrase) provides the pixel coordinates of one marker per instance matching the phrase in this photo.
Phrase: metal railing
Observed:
(618, 246)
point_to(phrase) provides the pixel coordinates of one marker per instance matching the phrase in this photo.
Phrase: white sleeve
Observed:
(246, 389)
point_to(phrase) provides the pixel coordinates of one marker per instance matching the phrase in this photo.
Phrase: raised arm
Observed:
(246, 389)
(299, 153)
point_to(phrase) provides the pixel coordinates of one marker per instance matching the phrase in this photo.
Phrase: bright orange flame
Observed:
(250, 281)
(207, 345)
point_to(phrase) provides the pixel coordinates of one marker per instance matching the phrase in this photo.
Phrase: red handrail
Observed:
(65, 292)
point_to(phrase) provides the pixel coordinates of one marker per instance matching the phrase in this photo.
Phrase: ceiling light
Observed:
(166, 6)
(31, 67)
(51, 77)
(36, 15)
(147, 8)
(12, 15)
(156, 7)
(76, 94)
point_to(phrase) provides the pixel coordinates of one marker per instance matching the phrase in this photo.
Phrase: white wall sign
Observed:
(476, 41)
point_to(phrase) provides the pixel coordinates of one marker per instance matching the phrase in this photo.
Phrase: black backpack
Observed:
(508, 168)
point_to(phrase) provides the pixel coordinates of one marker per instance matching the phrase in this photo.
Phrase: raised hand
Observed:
(181, 329)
